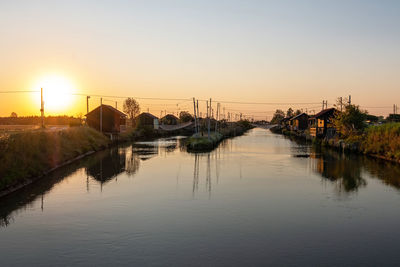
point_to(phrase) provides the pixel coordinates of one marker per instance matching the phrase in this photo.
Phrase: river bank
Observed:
(28, 156)
(382, 141)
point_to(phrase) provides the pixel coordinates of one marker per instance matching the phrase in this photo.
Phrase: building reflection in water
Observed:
(107, 165)
(101, 168)
(344, 171)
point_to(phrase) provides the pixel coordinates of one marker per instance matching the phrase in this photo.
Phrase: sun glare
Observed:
(57, 94)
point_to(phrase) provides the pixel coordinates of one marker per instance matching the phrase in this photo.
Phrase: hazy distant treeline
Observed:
(35, 120)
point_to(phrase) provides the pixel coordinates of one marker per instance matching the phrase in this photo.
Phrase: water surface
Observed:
(258, 199)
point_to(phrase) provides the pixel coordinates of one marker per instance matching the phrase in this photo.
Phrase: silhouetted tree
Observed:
(185, 116)
(132, 108)
(289, 112)
(351, 120)
(278, 115)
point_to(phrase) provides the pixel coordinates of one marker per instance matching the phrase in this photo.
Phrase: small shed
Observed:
(285, 122)
(147, 119)
(113, 120)
(169, 119)
(299, 122)
(322, 123)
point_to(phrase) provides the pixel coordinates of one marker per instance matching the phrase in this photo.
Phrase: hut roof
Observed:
(170, 116)
(110, 108)
(147, 115)
(286, 119)
(300, 115)
(325, 112)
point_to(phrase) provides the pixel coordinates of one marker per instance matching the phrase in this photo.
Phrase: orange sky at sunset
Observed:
(253, 51)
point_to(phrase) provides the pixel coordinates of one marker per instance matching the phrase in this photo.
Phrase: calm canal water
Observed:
(257, 200)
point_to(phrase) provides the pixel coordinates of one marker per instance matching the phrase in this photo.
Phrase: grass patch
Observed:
(26, 155)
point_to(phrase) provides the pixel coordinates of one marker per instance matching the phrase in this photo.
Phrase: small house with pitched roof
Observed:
(107, 119)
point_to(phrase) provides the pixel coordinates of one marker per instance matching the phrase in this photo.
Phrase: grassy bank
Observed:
(149, 133)
(382, 141)
(200, 142)
(28, 155)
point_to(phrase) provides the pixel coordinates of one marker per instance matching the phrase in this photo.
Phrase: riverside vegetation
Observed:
(353, 134)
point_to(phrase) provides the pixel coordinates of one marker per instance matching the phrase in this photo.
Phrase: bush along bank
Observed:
(145, 133)
(200, 142)
(26, 156)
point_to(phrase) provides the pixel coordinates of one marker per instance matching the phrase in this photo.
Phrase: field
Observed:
(9, 129)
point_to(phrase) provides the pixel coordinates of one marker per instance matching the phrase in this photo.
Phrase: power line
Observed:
(265, 103)
(143, 98)
(376, 107)
(12, 92)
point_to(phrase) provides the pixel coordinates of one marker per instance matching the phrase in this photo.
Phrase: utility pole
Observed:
(101, 114)
(116, 105)
(42, 106)
(194, 114)
(326, 104)
(394, 109)
(208, 121)
(209, 114)
(198, 116)
(349, 99)
(341, 104)
(323, 104)
(87, 104)
(216, 118)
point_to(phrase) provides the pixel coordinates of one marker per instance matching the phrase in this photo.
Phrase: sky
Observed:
(249, 51)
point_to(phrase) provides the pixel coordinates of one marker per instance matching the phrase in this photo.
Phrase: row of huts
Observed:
(108, 119)
(319, 125)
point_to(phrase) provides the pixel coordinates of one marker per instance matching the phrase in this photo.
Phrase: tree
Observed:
(289, 112)
(298, 112)
(132, 108)
(351, 121)
(185, 116)
(13, 115)
(278, 115)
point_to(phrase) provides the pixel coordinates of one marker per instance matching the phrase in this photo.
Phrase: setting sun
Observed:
(57, 93)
